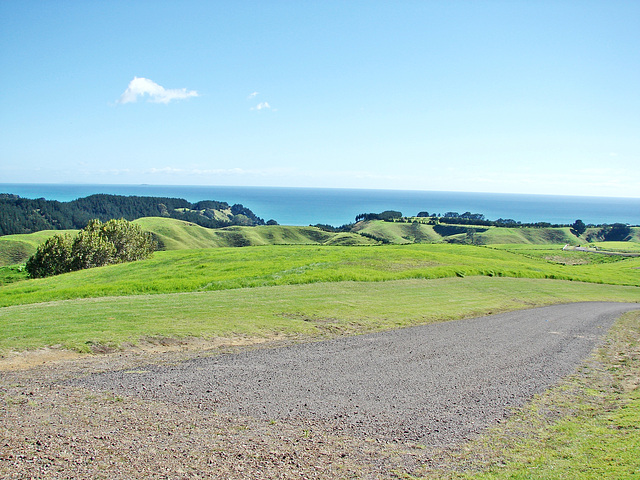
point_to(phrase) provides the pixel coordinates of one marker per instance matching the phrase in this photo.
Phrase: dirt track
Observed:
(360, 406)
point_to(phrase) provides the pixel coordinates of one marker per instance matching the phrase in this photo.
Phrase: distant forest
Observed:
(23, 215)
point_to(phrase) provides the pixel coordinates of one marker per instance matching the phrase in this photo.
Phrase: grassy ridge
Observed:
(310, 310)
(399, 233)
(229, 268)
(178, 235)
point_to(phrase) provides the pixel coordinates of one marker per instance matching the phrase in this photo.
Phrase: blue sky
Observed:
(484, 96)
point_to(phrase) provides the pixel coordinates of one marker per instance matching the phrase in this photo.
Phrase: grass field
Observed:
(555, 254)
(309, 310)
(625, 247)
(230, 268)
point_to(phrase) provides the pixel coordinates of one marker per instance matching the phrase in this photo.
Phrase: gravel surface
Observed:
(435, 385)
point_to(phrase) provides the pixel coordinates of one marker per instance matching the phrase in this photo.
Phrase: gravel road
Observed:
(435, 385)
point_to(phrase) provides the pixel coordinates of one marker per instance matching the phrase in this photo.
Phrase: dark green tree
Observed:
(53, 257)
(578, 228)
(618, 232)
(129, 241)
(91, 249)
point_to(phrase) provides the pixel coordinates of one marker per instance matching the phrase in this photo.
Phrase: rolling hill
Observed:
(174, 234)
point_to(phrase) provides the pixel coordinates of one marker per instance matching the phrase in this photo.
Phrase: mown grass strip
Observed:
(317, 310)
(230, 268)
(587, 427)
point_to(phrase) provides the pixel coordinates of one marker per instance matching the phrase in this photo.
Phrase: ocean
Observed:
(333, 206)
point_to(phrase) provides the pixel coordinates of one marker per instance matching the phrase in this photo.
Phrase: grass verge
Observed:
(316, 310)
(587, 427)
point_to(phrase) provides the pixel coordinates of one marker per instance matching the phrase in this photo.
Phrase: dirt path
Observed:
(358, 407)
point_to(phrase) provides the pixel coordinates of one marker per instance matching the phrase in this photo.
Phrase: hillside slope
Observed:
(400, 233)
(179, 235)
(15, 249)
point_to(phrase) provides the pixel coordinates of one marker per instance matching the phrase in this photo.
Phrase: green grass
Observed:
(230, 268)
(310, 310)
(587, 427)
(12, 273)
(625, 247)
(555, 254)
(15, 249)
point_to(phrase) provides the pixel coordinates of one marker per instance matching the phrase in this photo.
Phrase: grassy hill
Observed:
(178, 235)
(173, 234)
(399, 233)
(634, 237)
(15, 249)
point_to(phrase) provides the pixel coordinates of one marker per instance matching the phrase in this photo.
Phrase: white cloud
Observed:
(253, 95)
(139, 87)
(262, 106)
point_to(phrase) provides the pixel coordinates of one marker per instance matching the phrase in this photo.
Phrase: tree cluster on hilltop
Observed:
(387, 215)
(24, 215)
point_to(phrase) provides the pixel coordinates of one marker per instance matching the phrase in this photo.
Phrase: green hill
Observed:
(15, 249)
(397, 233)
(174, 234)
(400, 233)
(179, 235)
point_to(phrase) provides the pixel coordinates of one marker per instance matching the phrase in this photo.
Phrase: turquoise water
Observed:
(308, 206)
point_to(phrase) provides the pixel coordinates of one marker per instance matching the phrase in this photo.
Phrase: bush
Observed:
(51, 258)
(96, 245)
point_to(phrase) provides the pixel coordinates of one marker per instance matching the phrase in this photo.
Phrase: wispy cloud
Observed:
(139, 87)
(262, 106)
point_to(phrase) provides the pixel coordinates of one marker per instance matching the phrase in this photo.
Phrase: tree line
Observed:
(24, 215)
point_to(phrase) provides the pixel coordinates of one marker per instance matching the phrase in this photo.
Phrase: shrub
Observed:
(51, 258)
(96, 245)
